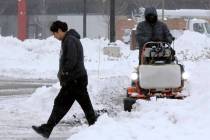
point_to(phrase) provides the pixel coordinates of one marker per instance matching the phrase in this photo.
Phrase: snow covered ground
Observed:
(39, 58)
(160, 119)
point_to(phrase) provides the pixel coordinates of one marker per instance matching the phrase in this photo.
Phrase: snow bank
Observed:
(162, 119)
(39, 58)
(97, 62)
(192, 46)
(106, 95)
(29, 59)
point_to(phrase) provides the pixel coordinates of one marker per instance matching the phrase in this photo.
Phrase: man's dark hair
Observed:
(58, 25)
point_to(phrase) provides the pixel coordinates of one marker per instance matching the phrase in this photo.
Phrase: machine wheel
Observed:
(127, 95)
(128, 102)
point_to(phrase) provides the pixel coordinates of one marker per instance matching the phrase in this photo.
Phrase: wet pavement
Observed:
(11, 86)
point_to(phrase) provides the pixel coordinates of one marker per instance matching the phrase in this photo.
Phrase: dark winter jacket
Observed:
(147, 31)
(71, 64)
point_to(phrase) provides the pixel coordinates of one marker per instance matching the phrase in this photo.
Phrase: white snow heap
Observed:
(20, 59)
(29, 59)
(192, 46)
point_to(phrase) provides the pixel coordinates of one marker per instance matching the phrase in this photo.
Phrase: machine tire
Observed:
(127, 95)
(128, 102)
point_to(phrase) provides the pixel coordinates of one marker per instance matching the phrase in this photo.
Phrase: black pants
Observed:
(74, 90)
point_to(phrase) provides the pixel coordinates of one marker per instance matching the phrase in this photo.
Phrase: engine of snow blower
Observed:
(158, 75)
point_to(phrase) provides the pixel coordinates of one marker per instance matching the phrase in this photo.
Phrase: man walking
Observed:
(73, 79)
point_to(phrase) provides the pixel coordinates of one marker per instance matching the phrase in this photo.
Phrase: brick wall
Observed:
(176, 24)
(123, 23)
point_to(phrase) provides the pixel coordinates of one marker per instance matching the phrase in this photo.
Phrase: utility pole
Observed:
(112, 50)
(112, 21)
(84, 18)
(163, 7)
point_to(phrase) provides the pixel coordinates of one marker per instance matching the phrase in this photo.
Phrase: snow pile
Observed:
(39, 58)
(104, 96)
(192, 46)
(42, 99)
(97, 62)
(177, 33)
(29, 59)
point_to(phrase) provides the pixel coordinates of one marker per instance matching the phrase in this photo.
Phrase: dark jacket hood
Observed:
(150, 10)
(74, 33)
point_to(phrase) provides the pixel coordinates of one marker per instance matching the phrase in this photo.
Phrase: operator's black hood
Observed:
(150, 10)
(151, 15)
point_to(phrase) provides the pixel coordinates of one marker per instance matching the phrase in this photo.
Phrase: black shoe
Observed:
(43, 130)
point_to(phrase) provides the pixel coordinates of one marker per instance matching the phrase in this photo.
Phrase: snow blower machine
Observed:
(158, 75)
